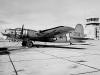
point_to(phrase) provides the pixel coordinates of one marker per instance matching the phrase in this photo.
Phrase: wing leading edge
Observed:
(56, 31)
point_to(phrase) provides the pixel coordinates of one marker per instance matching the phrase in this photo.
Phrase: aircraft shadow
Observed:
(57, 46)
(6, 50)
(84, 44)
(81, 44)
(3, 51)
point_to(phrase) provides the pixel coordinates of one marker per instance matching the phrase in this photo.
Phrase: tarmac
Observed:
(51, 59)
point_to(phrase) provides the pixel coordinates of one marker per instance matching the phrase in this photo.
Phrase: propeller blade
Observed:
(22, 31)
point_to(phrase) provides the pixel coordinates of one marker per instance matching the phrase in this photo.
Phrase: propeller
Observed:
(22, 29)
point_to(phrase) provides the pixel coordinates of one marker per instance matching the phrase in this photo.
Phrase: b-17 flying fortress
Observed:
(27, 36)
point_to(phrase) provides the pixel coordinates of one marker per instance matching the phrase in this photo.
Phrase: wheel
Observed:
(29, 44)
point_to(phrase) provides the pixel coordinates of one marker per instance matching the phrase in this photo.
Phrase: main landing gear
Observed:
(27, 43)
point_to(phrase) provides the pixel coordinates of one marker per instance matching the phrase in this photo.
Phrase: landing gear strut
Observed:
(27, 43)
(24, 43)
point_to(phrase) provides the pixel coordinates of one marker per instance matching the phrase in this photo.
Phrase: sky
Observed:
(44, 14)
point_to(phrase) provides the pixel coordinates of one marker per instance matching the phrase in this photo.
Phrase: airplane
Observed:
(27, 36)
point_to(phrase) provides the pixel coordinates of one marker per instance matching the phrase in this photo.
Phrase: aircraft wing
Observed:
(56, 31)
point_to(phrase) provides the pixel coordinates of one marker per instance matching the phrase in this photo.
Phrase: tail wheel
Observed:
(29, 44)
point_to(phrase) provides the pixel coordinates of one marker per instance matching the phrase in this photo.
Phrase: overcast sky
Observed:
(42, 14)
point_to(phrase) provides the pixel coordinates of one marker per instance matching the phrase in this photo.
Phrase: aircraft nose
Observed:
(4, 32)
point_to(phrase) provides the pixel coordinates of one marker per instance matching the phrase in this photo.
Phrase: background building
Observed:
(92, 28)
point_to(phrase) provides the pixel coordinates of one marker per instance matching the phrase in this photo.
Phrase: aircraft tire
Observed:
(29, 44)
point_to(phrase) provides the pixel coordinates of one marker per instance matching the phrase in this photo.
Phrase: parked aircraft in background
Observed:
(27, 36)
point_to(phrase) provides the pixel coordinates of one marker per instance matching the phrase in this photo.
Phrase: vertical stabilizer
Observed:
(77, 35)
(79, 32)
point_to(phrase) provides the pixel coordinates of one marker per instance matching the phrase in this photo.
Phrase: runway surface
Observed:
(51, 59)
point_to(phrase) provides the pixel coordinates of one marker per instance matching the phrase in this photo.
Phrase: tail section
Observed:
(78, 33)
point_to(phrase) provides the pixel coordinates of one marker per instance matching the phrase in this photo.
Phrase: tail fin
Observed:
(79, 32)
